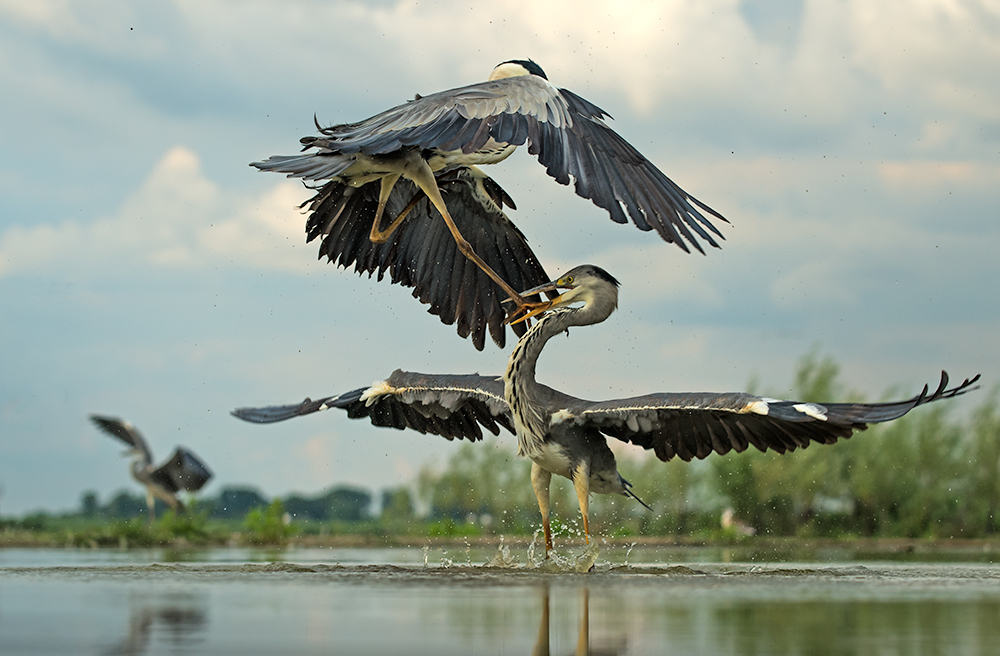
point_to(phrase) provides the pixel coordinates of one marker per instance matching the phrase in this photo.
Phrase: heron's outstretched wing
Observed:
(183, 471)
(421, 252)
(695, 425)
(566, 132)
(451, 406)
(124, 431)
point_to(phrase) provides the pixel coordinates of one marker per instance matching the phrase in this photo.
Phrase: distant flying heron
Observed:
(566, 436)
(431, 137)
(184, 471)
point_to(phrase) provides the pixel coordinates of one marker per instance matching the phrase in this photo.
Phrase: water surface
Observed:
(390, 602)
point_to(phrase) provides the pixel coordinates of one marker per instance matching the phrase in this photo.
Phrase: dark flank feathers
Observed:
(421, 253)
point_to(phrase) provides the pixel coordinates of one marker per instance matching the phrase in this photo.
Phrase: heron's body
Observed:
(482, 124)
(183, 471)
(567, 436)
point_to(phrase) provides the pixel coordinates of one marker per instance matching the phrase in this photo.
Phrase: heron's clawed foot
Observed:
(524, 309)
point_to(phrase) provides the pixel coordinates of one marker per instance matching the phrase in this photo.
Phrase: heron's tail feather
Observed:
(308, 166)
(629, 493)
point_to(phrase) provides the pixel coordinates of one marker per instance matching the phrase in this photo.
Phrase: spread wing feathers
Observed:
(124, 431)
(695, 425)
(566, 132)
(452, 406)
(421, 253)
(183, 471)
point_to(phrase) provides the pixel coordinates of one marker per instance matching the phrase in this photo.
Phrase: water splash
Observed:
(535, 562)
(426, 550)
(502, 557)
(628, 552)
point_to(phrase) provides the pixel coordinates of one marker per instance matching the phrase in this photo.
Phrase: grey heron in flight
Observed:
(183, 471)
(567, 436)
(401, 157)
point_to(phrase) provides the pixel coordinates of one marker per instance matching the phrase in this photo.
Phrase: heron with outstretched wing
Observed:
(567, 436)
(183, 471)
(424, 141)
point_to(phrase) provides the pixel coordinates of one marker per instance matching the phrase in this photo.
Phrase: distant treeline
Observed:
(343, 503)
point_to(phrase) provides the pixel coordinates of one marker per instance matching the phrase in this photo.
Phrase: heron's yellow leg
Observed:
(581, 481)
(420, 173)
(378, 236)
(151, 504)
(540, 480)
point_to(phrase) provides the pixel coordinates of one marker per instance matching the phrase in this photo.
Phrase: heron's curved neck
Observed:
(521, 365)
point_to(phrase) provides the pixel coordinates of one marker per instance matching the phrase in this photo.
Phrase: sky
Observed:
(147, 272)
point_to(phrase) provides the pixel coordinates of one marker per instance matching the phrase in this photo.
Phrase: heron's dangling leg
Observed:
(581, 481)
(378, 236)
(420, 173)
(540, 480)
(151, 504)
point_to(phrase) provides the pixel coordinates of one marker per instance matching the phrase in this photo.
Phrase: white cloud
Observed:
(177, 219)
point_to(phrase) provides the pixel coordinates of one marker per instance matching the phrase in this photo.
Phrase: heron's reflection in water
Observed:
(615, 646)
(179, 620)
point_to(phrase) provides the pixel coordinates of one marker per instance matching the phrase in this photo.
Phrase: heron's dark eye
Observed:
(568, 280)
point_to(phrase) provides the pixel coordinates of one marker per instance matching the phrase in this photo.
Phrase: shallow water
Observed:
(350, 601)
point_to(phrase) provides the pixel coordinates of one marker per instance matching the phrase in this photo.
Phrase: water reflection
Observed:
(179, 620)
(612, 648)
(323, 608)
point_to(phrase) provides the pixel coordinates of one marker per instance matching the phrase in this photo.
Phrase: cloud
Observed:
(177, 219)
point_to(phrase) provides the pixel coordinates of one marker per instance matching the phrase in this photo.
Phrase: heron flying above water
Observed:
(403, 157)
(183, 471)
(567, 436)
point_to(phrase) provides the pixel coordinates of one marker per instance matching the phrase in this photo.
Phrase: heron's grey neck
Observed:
(521, 365)
(140, 459)
(524, 396)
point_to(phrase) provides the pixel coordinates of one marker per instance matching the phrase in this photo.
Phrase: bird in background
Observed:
(183, 471)
(567, 436)
(420, 160)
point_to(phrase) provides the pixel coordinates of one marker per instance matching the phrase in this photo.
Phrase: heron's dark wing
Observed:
(452, 406)
(690, 426)
(124, 431)
(565, 131)
(421, 252)
(184, 471)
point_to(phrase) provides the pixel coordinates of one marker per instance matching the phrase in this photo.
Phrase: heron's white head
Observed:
(588, 284)
(516, 67)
